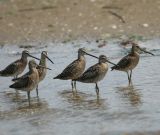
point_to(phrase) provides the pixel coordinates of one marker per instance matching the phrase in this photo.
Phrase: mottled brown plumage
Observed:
(95, 73)
(17, 67)
(29, 81)
(129, 62)
(75, 69)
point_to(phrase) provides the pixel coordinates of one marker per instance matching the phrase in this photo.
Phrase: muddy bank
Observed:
(36, 21)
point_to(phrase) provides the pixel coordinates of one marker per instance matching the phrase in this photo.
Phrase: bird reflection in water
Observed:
(131, 93)
(20, 100)
(35, 106)
(83, 100)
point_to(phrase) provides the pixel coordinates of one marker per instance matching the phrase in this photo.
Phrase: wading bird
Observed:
(75, 69)
(43, 71)
(129, 62)
(29, 81)
(95, 73)
(17, 67)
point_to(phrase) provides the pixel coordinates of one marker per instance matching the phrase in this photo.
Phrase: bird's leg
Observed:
(75, 86)
(28, 93)
(72, 86)
(130, 80)
(37, 91)
(97, 91)
(15, 77)
(128, 77)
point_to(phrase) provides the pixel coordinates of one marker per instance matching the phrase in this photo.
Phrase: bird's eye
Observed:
(26, 51)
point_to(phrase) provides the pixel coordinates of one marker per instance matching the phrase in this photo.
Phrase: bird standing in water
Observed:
(17, 67)
(75, 69)
(43, 71)
(129, 62)
(95, 73)
(29, 81)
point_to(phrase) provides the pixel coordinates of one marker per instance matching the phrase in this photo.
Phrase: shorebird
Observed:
(29, 81)
(43, 71)
(96, 73)
(17, 67)
(75, 69)
(130, 61)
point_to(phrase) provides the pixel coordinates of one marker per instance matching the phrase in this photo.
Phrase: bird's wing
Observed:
(21, 84)
(69, 70)
(124, 62)
(90, 73)
(22, 77)
(10, 69)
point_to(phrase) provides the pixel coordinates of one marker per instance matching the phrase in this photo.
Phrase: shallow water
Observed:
(120, 110)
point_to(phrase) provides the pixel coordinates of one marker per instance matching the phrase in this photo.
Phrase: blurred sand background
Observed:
(42, 20)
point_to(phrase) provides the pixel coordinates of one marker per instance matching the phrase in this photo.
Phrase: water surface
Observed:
(121, 109)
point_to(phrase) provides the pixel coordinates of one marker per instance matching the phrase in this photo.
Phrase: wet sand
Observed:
(43, 20)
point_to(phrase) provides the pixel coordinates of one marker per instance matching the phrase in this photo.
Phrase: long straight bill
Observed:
(33, 57)
(92, 55)
(112, 63)
(49, 59)
(146, 51)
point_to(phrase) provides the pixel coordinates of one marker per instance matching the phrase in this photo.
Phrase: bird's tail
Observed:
(57, 77)
(114, 67)
(15, 79)
(12, 86)
(61, 77)
(4, 73)
(19, 85)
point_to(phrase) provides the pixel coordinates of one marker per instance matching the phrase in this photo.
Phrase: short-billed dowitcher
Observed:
(42, 71)
(75, 69)
(129, 62)
(17, 67)
(29, 81)
(95, 73)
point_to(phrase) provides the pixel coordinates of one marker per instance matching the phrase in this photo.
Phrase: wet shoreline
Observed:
(120, 109)
(61, 28)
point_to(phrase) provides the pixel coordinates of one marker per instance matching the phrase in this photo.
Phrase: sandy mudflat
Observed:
(42, 20)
